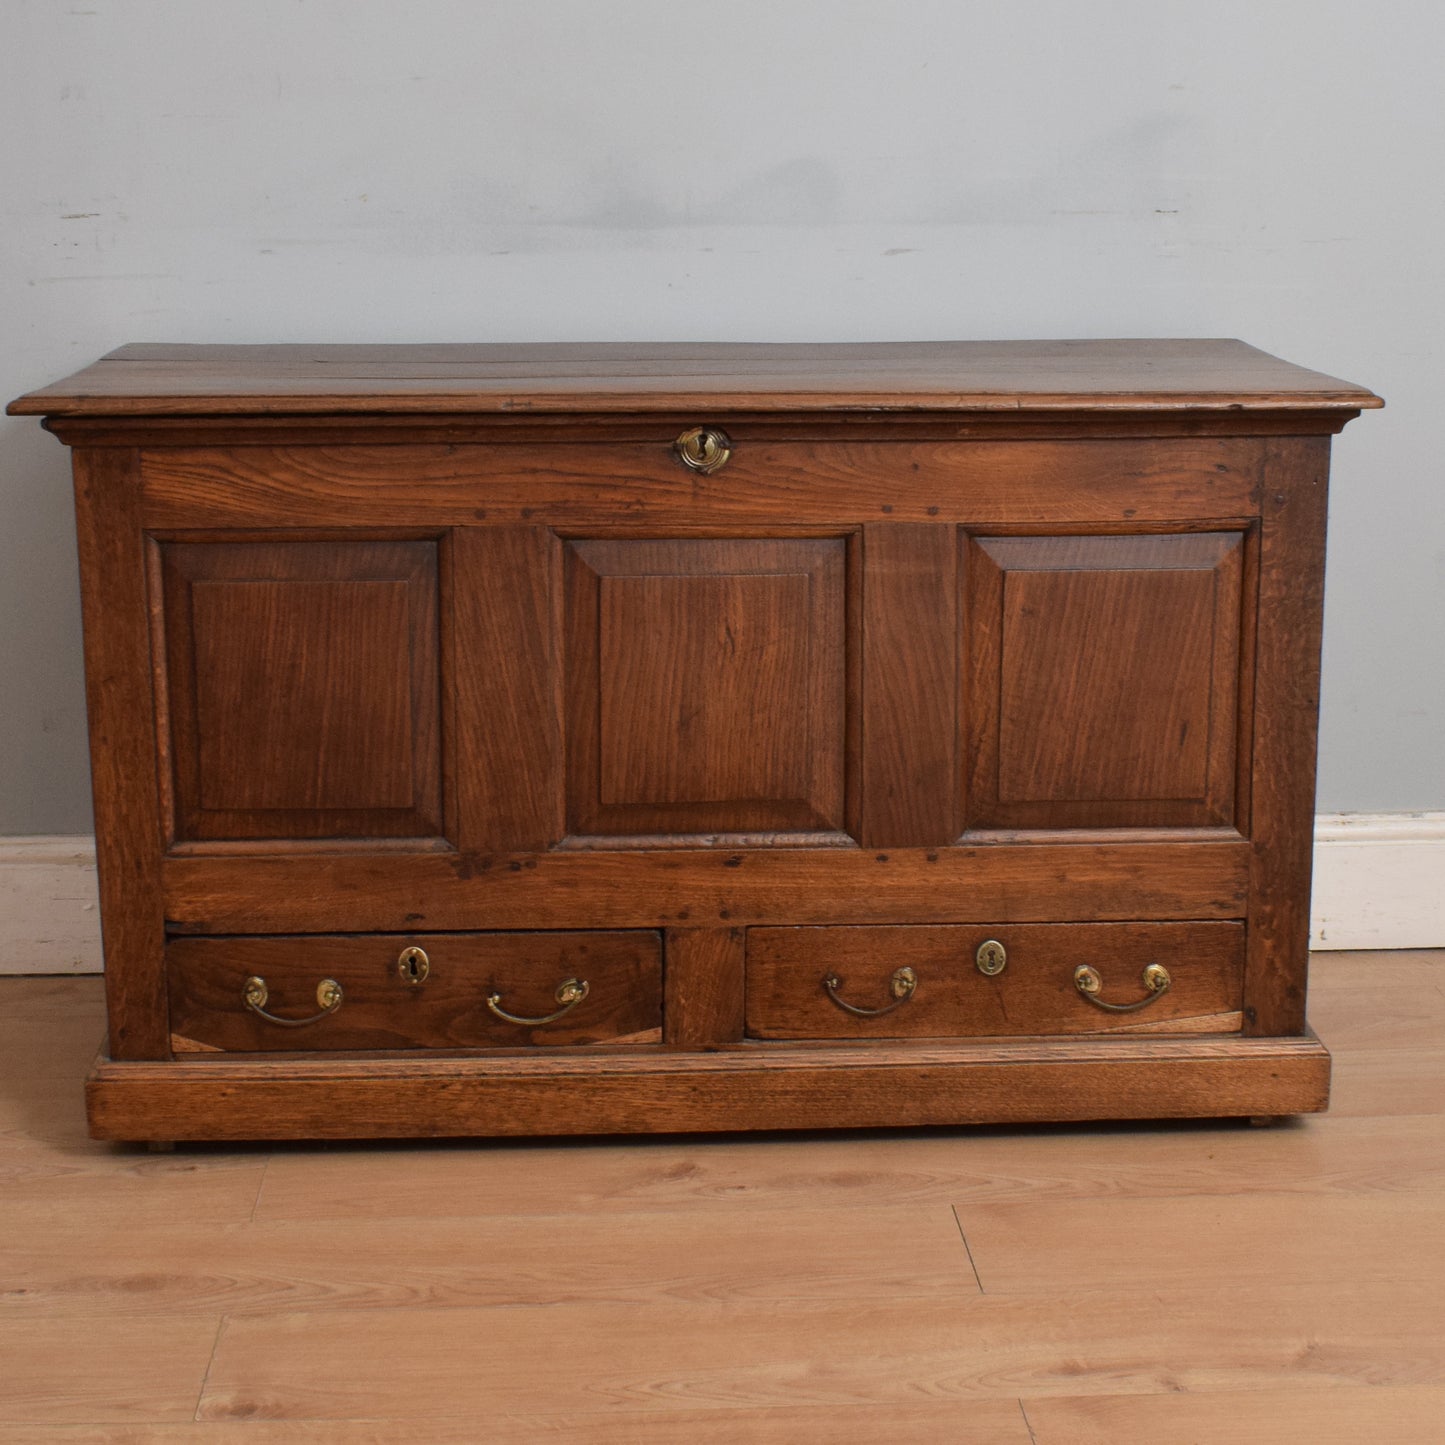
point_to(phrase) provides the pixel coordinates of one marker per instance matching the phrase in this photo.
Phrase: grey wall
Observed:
(206, 170)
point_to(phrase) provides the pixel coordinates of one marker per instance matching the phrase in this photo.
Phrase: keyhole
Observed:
(991, 957)
(413, 965)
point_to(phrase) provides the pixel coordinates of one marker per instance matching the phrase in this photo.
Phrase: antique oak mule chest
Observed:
(556, 739)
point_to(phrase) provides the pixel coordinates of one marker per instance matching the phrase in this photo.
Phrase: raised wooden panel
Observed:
(1103, 680)
(252, 755)
(696, 656)
(302, 682)
(705, 686)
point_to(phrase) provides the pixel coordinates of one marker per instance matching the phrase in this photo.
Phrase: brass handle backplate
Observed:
(1088, 983)
(328, 995)
(901, 986)
(703, 448)
(570, 992)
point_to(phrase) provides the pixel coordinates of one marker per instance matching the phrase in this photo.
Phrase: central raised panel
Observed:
(737, 649)
(705, 686)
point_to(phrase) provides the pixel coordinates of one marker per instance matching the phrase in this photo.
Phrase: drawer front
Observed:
(926, 982)
(410, 991)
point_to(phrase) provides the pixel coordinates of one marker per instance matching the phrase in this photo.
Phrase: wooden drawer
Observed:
(800, 979)
(367, 992)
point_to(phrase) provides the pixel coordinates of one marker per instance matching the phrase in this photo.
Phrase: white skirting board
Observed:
(1379, 883)
(49, 912)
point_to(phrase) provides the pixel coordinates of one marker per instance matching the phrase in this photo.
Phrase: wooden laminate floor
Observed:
(1172, 1284)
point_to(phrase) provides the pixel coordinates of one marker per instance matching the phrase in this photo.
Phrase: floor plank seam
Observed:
(260, 1185)
(1290, 1322)
(1028, 1424)
(974, 1267)
(206, 1376)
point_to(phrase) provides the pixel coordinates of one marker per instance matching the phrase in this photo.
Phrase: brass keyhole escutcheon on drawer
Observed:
(703, 448)
(413, 966)
(991, 958)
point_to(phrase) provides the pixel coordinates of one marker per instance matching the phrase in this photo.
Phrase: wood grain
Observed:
(303, 682)
(1342, 1415)
(971, 1348)
(1322, 1156)
(639, 377)
(381, 1010)
(1140, 1283)
(1103, 685)
(811, 484)
(1392, 1082)
(909, 670)
(1286, 726)
(641, 697)
(984, 1422)
(94, 1367)
(703, 981)
(1404, 992)
(506, 647)
(116, 610)
(1035, 993)
(1041, 882)
(457, 429)
(706, 686)
(841, 1086)
(1212, 1242)
(259, 1270)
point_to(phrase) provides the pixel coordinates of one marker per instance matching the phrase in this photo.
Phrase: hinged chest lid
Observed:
(153, 380)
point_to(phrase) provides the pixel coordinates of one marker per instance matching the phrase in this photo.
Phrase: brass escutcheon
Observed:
(412, 965)
(900, 985)
(1156, 980)
(991, 958)
(703, 448)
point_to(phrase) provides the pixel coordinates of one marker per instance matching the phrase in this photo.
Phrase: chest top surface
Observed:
(1168, 376)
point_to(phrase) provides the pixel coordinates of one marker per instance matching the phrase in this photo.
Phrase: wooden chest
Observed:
(571, 739)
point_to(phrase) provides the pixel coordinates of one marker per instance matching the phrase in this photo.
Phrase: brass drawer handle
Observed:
(1156, 980)
(328, 995)
(570, 992)
(901, 986)
(703, 448)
